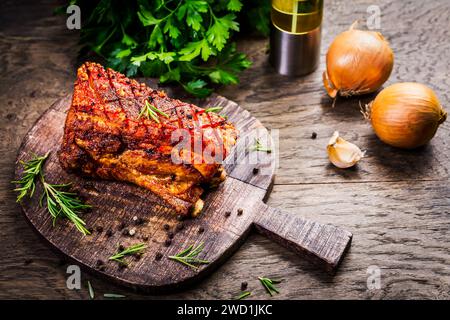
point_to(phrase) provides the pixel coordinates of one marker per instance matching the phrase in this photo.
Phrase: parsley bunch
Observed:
(180, 41)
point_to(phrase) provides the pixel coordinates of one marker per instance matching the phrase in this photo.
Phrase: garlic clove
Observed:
(342, 153)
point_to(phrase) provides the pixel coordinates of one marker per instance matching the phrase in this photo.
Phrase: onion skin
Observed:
(406, 115)
(358, 62)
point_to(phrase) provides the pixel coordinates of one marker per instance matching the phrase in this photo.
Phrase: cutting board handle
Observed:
(322, 244)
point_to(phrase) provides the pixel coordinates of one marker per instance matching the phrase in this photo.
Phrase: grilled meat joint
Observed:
(119, 129)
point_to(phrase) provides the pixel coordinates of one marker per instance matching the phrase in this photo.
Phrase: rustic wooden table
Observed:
(396, 203)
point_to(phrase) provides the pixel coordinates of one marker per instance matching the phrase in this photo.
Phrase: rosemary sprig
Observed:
(113, 295)
(59, 202)
(213, 109)
(259, 147)
(150, 111)
(63, 203)
(31, 169)
(189, 258)
(128, 251)
(243, 295)
(268, 284)
(91, 290)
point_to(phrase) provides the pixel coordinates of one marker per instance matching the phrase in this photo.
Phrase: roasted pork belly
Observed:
(119, 129)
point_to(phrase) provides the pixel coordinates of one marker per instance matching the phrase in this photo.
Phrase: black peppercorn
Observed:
(166, 227)
(170, 235)
(255, 170)
(180, 217)
(121, 248)
(201, 230)
(240, 212)
(244, 286)
(99, 229)
(125, 232)
(168, 242)
(313, 135)
(99, 263)
(227, 214)
(180, 226)
(158, 256)
(145, 238)
(109, 233)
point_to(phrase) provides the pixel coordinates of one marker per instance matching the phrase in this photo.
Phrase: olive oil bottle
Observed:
(295, 35)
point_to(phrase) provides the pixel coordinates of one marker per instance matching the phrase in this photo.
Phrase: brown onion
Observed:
(406, 115)
(358, 62)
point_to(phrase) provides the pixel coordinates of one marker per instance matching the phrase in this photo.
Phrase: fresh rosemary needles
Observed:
(31, 169)
(213, 109)
(64, 203)
(258, 146)
(151, 112)
(243, 295)
(269, 285)
(127, 251)
(188, 257)
(60, 203)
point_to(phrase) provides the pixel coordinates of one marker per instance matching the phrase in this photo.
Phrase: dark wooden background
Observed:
(396, 203)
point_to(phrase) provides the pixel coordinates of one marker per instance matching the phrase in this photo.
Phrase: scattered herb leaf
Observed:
(268, 284)
(259, 147)
(189, 258)
(243, 295)
(91, 290)
(113, 295)
(213, 109)
(128, 251)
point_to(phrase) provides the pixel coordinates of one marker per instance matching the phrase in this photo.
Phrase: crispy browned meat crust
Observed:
(104, 137)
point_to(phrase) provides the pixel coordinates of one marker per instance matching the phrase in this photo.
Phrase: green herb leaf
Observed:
(219, 32)
(234, 5)
(91, 291)
(213, 109)
(147, 17)
(151, 112)
(268, 284)
(243, 295)
(128, 251)
(189, 258)
(259, 147)
(197, 88)
(113, 296)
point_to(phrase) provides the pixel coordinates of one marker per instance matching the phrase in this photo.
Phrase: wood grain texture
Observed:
(396, 203)
(119, 208)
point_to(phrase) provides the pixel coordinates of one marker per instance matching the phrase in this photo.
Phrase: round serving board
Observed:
(117, 205)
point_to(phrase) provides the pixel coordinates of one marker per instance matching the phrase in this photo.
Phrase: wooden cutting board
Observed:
(116, 206)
